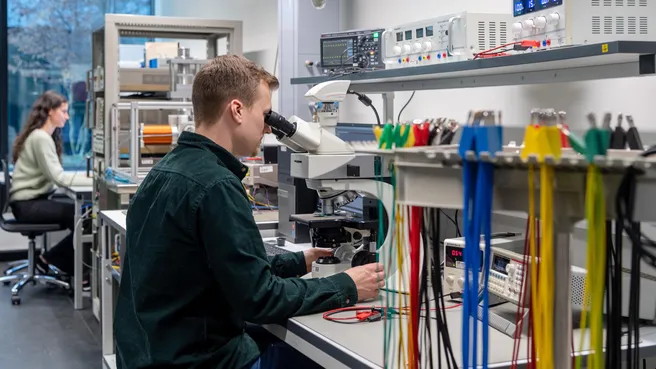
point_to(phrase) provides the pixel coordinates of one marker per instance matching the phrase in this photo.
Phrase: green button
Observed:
(375, 34)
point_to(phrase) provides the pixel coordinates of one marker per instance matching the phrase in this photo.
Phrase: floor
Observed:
(46, 332)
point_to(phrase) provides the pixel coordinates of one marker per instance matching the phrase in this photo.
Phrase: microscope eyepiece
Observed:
(279, 125)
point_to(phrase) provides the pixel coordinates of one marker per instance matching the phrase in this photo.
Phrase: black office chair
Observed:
(31, 231)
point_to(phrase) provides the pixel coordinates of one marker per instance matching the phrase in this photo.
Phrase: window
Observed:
(50, 49)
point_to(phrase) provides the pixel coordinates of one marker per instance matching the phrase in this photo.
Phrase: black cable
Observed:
(366, 101)
(454, 221)
(443, 336)
(624, 205)
(457, 226)
(398, 118)
(613, 315)
(423, 292)
(376, 112)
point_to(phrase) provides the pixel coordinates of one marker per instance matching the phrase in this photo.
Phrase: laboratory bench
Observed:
(329, 344)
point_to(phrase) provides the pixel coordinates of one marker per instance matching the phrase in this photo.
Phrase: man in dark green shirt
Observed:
(195, 269)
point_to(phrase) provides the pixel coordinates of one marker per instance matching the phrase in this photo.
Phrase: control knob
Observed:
(406, 49)
(428, 46)
(416, 47)
(517, 27)
(449, 279)
(540, 22)
(529, 24)
(553, 18)
(461, 282)
(396, 50)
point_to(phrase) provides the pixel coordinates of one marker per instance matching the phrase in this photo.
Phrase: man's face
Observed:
(253, 128)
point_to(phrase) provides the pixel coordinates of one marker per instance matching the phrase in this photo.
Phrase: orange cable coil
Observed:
(157, 134)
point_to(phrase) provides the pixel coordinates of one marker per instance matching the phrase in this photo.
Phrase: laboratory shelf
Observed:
(617, 59)
(434, 167)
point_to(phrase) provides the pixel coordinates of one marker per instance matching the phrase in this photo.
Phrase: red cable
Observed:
(519, 321)
(328, 315)
(496, 48)
(537, 268)
(415, 229)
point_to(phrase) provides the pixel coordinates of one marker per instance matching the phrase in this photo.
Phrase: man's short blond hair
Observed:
(225, 78)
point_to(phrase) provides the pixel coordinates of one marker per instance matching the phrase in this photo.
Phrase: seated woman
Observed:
(37, 171)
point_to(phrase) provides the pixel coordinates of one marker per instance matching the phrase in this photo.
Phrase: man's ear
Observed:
(237, 110)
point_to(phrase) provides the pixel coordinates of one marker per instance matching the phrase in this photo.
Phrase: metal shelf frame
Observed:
(106, 41)
(421, 168)
(617, 59)
(440, 167)
(134, 171)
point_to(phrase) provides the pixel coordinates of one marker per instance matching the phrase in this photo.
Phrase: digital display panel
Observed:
(455, 257)
(499, 264)
(399, 36)
(419, 32)
(521, 7)
(429, 31)
(408, 35)
(337, 52)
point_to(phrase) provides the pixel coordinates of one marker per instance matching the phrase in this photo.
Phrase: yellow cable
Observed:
(591, 233)
(537, 326)
(598, 208)
(593, 297)
(546, 288)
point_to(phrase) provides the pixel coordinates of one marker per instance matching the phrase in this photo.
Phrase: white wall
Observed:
(260, 25)
(629, 96)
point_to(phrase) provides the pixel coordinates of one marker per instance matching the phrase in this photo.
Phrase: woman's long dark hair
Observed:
(48, 101)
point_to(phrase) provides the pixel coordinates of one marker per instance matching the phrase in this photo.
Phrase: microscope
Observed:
(331, 167)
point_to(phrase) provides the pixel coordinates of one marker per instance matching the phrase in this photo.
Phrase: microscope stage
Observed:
(332, 221)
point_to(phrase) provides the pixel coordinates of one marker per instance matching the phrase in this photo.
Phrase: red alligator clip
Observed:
(421, 132)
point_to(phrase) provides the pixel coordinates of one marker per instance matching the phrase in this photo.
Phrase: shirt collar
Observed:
(223, 156)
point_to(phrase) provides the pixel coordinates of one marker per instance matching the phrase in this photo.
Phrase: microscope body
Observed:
(338, 174)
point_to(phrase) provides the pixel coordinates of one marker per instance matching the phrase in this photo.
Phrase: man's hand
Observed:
(368, 278)
(313, 254)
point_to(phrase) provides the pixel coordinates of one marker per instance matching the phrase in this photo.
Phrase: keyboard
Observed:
(273, 250)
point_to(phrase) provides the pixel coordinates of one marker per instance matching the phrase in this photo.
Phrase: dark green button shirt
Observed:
(196, 270)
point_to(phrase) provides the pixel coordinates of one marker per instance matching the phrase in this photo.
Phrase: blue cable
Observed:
(486, 220)
(488, 140)
(467, 143)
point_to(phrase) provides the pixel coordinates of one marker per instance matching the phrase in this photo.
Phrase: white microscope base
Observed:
(391, 284)
(326, 270)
